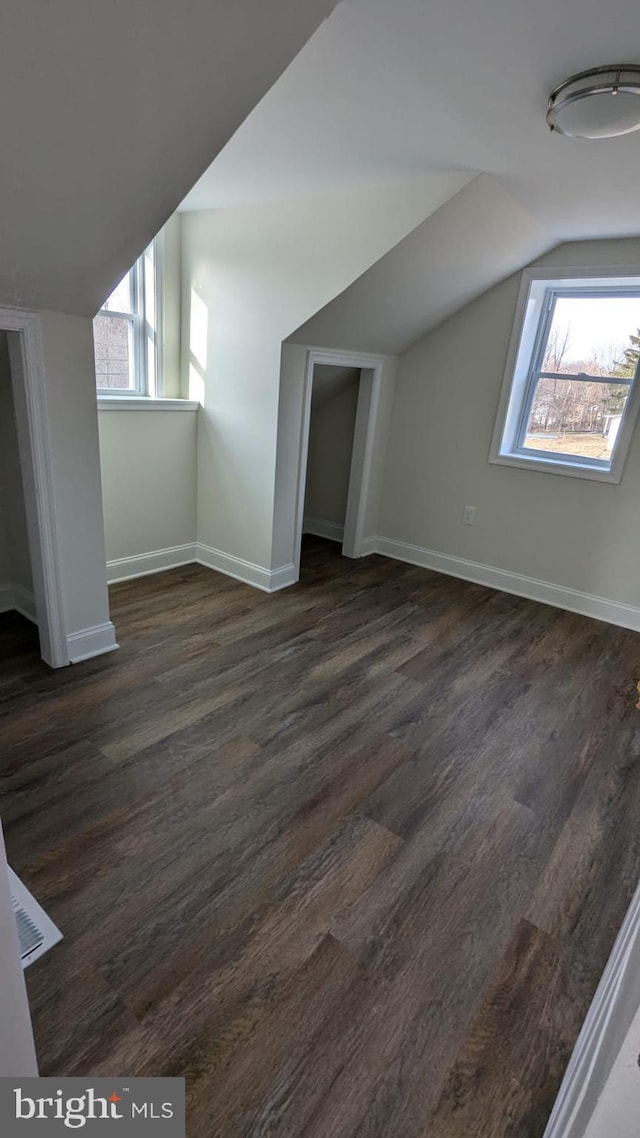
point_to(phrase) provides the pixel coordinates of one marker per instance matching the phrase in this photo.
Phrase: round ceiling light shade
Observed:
(601, 103)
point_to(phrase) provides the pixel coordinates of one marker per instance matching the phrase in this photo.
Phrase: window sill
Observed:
(594, 473)
(141, 403)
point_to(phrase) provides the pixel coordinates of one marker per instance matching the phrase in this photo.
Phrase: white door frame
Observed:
(30, 398)
(369, 387)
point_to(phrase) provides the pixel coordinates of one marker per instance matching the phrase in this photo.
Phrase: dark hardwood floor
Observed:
(350, 857)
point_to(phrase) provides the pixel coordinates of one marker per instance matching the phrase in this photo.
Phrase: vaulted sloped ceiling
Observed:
(109, 112)
(477, 238)
(390, 90)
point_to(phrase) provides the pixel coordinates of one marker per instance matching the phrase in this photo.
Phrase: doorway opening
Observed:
(29, 564)
(339, 422)
(18, 623)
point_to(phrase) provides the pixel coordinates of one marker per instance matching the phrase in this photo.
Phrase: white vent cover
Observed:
(36, 932)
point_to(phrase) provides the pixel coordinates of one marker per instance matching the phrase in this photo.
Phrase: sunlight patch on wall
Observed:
(196, 384)
(198, 334)
(198, 330)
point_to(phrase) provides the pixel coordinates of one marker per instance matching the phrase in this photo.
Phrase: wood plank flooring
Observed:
(351, 857)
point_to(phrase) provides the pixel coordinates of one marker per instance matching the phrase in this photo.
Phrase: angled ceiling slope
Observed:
(329, 381)
(473, 241)
(108, 115)
(387, 90)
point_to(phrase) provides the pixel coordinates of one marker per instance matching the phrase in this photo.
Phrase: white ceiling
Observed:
(478, 237)
(329, 381)
(390, 89)
(108, 113)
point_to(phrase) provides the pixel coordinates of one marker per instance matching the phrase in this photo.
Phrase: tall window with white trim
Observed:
(571, 390)
(125, 333)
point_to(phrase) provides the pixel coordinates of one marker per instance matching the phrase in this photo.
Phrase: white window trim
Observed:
(533, 286)
(144, 403)
(158, 272)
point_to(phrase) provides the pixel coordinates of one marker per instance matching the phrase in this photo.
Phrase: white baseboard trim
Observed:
(25, 603)
(604, 1030)
(141, 565)
(283, 577)
(368, 545)
(245, 571)
(6, 598)
(90, 642)
(320, 528)
(144, 564)
(127, 568)
(13, 598)
(600, 608)
(269, 580)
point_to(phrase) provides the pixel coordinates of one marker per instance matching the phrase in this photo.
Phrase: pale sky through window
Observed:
(596, 325)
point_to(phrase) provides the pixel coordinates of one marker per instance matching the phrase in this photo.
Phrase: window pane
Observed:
(121, 299)
(576, 418)
(113, 350)
(593, 335)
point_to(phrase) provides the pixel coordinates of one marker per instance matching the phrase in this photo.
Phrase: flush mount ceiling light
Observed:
(601, 103)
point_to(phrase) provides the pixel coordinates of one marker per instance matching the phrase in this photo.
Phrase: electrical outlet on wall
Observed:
(469, 516)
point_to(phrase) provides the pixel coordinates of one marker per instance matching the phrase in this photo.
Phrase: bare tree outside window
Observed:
(579, 415)
(571, 392)
(557, 348)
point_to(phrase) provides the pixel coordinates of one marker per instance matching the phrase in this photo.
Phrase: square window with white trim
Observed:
(571, 392)
(125, 333)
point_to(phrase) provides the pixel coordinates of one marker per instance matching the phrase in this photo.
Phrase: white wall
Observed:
(6, 598)
(290, 412)
(5, 569)
(469, 244)
(148, 457)
(148, 463)
(252, 275)
(333, 418)
(170, 275)
(67, 343)
(380, 445)
(15, 559)
(579, 534)
(6, 574)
